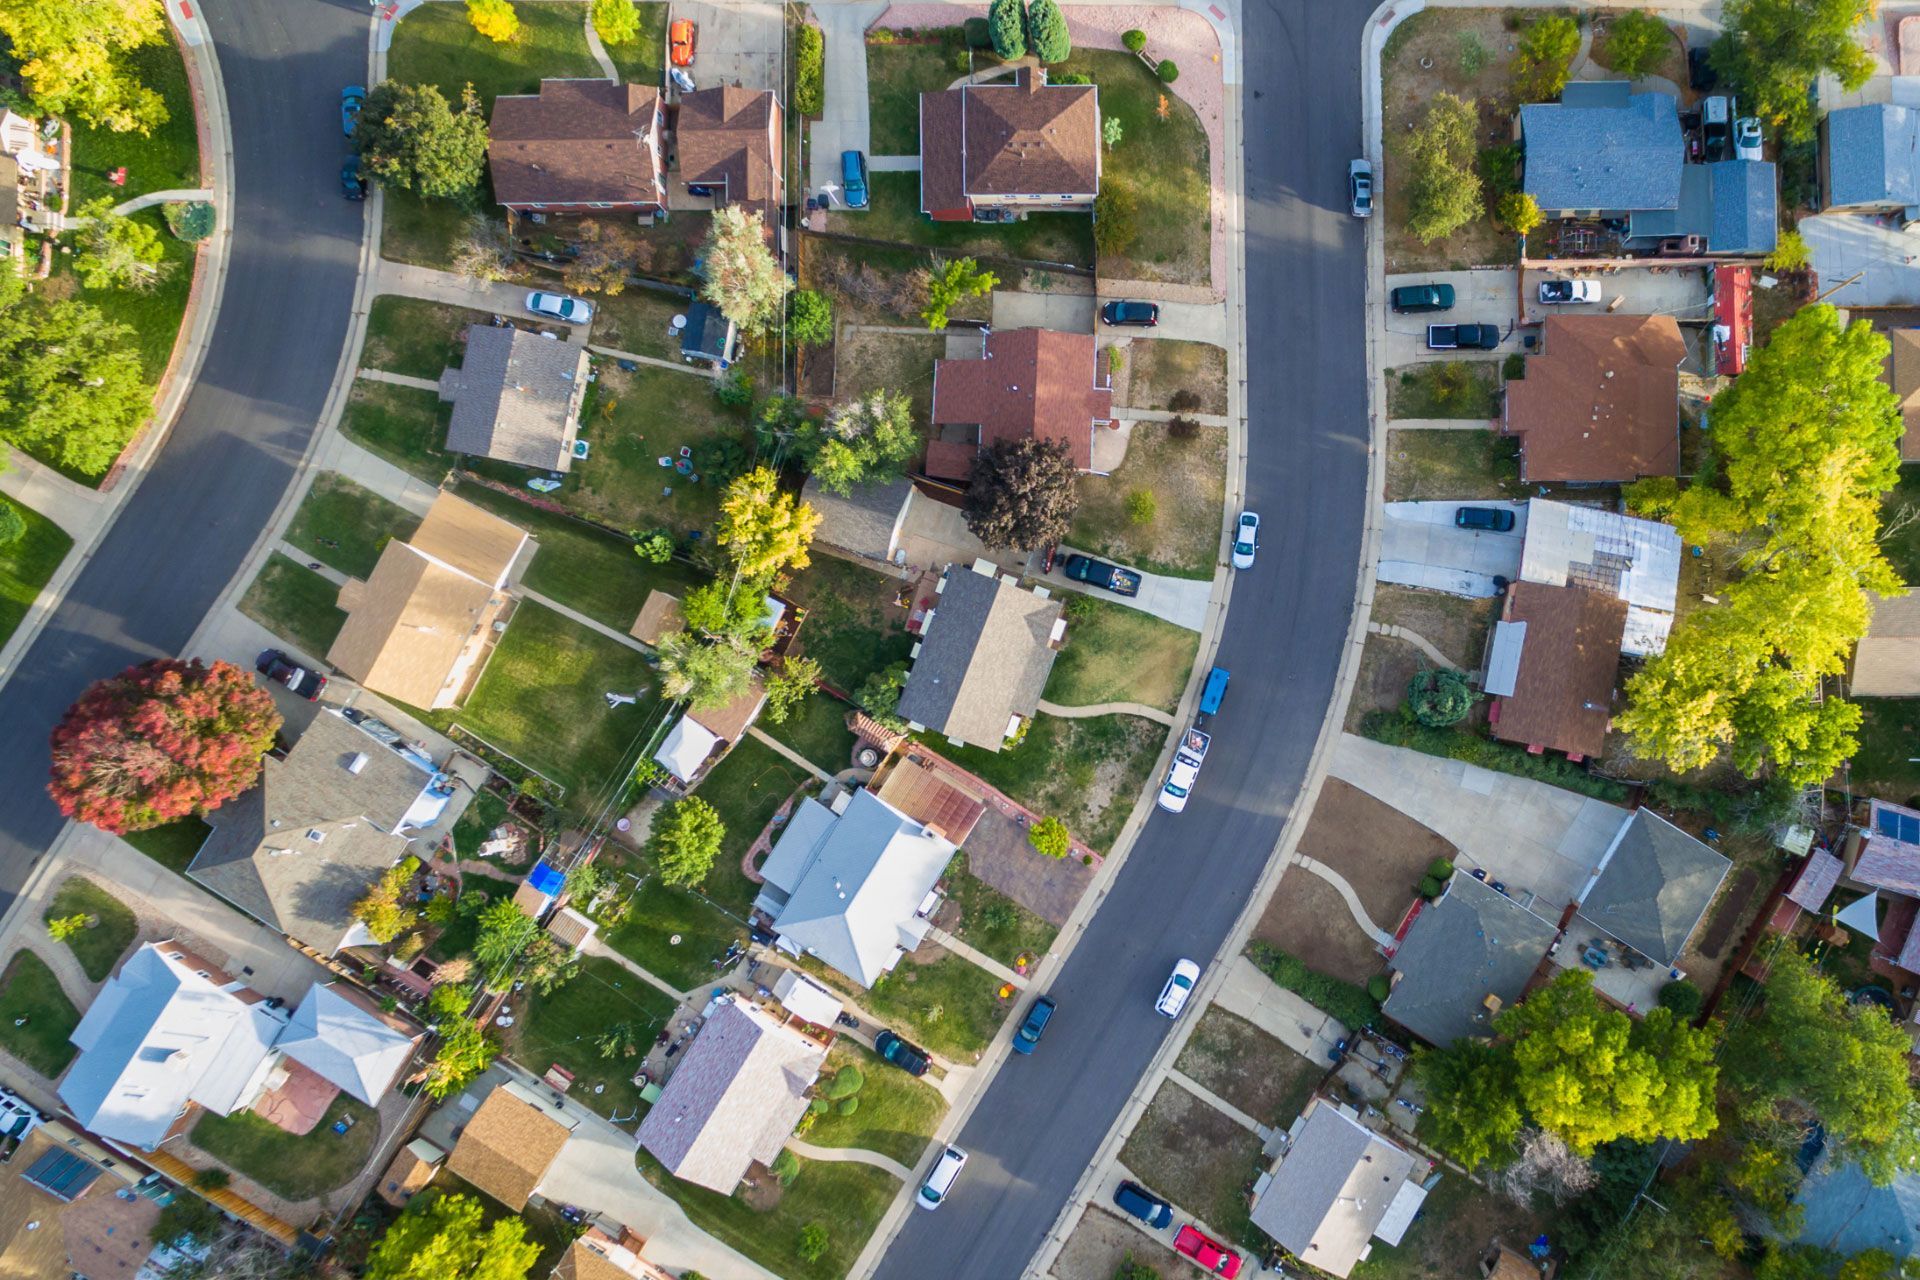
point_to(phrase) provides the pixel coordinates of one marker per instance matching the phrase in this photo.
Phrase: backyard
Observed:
(867, 360)
(853, 627)
(637, 319)
(27, 565)
(1087, 773)
(415, 337)
(1456, 1222)
(897, 1113)
(561, 1028)
(1188, 481)
(893, 213)
(109, 925)
(296, 604)
(345, 526)
(1158, 369)
(436, 44)
(942, 1001)
(817, 729)
(293, 1166)
(1433, 464)
(673, 934)
(992, 922)
(1884, 764)
(745, 789)
(1197, 1157)
(35, 1015)
(405, 425)
(1115, 653)
(875, 284)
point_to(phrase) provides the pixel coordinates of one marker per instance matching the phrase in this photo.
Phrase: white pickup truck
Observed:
(1187, 759)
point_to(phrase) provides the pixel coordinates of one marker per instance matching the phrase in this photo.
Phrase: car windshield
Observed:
(1176, 791)
(931, 1195)
(1243, 546)
(1182, 981)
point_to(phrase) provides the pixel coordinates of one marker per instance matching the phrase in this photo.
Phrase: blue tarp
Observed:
(546, 879)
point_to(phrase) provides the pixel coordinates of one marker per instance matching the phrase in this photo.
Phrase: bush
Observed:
(1142, 507)
(191, 222)
(1429, 888)
(1499, 168)
(1167, 71)
(1790, 253)
(1379, 986)
(1345, 1001)
(1440, 869)
(813, 1242)
(809, 71)
(1069, 77)
(847, 1106)
(809, 318)
(845, 1082)
(1135, 40)
(1683, 998)
(13, 525)
(616, 22)
(1399, 730)
(1440, 697)
(1519, 212)
(975, 32)
(1183, 429)
(1513, 368)
(1636, 40)
(880, 35)
(736, 389)
(961, 60)
(212, 1179)
(494, 19)
(1049, 836)
(655, 546)
(785, 1167)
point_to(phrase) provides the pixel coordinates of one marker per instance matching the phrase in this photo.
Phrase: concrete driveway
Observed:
(1486, 296)
(1067, 312)
(1669, 290)
(1844, 244)
(1502, 295)
(1181, 601)
(737, 44)
(1421, 547)
(843, 124)
(1187, 322)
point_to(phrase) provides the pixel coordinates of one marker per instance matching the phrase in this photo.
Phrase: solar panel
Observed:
(62, 1173)
(1904, 827)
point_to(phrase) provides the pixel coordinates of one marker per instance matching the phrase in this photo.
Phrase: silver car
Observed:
(1360, 187)
(1246, 540)
(560, 307)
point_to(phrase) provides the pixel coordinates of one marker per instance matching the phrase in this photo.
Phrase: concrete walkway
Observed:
(678, 366)
(1348, 896)
(399, 379)
(979, 958)
(591, 624)
(371, 471)
(1168, 415)
(1251, 994)
(851, 1155)
(843, 124)
(1181, 601)
(1107, 709)
(893, 164)
(73, 506)
(1442, 424)
(1413, 638)
(755, 732)
(595, 946)
(598, 50)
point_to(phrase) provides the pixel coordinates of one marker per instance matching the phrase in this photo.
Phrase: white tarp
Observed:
(686, 748)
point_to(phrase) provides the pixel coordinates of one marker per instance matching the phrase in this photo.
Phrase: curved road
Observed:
(1190, 876)
(257, 402)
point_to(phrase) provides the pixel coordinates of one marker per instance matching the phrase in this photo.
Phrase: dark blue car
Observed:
(1027, 1038)
(1143, 1204)
(853, 179)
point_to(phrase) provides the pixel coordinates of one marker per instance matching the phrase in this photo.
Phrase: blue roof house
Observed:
(1603, 151)
(1868, 159)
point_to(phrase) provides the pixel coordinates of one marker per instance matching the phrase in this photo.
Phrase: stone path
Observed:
(1352, 899)
(1107, 709)
(1413, 638)
(398, 379)
(852, 1155)
(978, 957)
(760, 736)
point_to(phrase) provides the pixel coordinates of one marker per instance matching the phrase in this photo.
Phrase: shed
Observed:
(686, 748)
(708, 337)
(806, 998)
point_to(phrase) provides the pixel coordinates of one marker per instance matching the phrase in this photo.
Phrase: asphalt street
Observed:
(274, 349)
(1189, 876)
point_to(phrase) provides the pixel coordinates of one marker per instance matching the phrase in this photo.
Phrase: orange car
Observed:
(680, 37)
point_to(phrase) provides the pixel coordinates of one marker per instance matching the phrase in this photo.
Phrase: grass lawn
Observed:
(1444, 389)
(893, 213)
(167, 159)
(541, 700)
(1188, 481)
(297, 1167)
(483, 813)
(343, 525)
(897, 74)
(416, 229)
(416, 337)
(404, 425)
(868, 361)
(1889, 728)
(817, 729)
(1157, 368)
(296, 604)
(661, 912)
(99, 947)
(1087, 773)
(561, 1027)
(30, 996)
(846, 1199)
(951, 1006)
(643, 59)
(1249, 1068)
(897, 1114)
(1118, 654)
(636, 320)
(436, 44)
(992, 922)
(1437, 463)
(27, 565)
(745, 788)
(172, 845)
(1198, 1158)
(154, 314)
(852, 627)
(874, 284)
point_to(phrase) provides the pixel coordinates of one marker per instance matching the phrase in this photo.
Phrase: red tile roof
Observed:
(1032, 384)
(576, 142)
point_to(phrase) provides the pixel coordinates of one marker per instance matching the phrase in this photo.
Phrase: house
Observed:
(1870, 160)
(343, 1037)
(1648, 894)
(1601, 403)
(729, 144)
(703, 737)
(1732, 206)
(847, 884)
(1467, 955)
(983, 659)
(1337, 1187)
(1024, 145)
(516, 398)
(1633, 560)
(865, 523)
(606, 1251)
(939, 798)
(1602, 151)
(1886, 663)
(298, 851)
(1885, 853)
(1844, 1212)
(413, 1167)
(1028, 384)
(1552, 668)
(420, 628)
(71, 1209)
(508, 1146)
(1902, 373)
(707, 338)
(579, 146)
(734, 1099)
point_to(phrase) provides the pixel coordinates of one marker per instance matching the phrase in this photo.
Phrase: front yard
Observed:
(939, 1000)
(660, 913)
(416, 337)
(436, 44)
(853, 627)
(109, 930)
(405, 425)
(1087, 773)
(1436, 463)
(293, 1166)
(420, 231)
(992, 922)
(168, 159)
(897, 1114)
(346, 526)
(893, 213)
(1158, 369)
(1468, 389)
(1198, 1158)
(1188, 481)
(28, 565)
(1249, 1068)
(1456, 1222)
(561, 1028)
(1455, 625)
(296, 604)
(173, 844)
(1115, 653)
(35, 1015)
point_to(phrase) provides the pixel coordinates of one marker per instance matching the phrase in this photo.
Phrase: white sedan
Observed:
(1246, 540)
(560, 307)
(1173, 996)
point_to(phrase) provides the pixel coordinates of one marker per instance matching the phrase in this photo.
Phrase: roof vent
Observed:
(316, 835)
(359, 762)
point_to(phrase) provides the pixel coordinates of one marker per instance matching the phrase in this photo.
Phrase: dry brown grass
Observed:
(1157, 368)
(1452, 624)
(1188, 479)
(865, 360)
(1248, 1067)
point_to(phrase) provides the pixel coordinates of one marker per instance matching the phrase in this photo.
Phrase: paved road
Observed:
(1189, 876)
(214, 485)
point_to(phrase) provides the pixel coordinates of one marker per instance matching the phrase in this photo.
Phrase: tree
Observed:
(1022, 494)
(654, 546)
(1049, 837)
(1545, 1166)
(408, 136)
(809, 70)
(879, 696)
(845, 1082)
(118, 252)
(1773, 50)
(952, 281)
(446, 1237)
(187, 1219)
(1790, 253)
(624, 1039)
(764, 529)
(72, 55)
(505, 931)
(616, 21)
(1443, 183)
(160, 741)
(704, 676)
(547, 963)
(795, 683)
(385, 910)
(1114, 225)
(1636, 41)
(13, 525)
(1544, 60)
(598, 269)
(1112, 131)
(735, 614)
(463, 1054)
(813, 1242)
(486, 252)
(1007, 25)
(861, 441)
(71, 383)
(809, 318)
(1440, 698)
(742, 277)
(1520, 212)
(1047, 32)
(1473, 1101)
(1131, 1268)
(189, 220)
(494, 19)
(449, 999)
(685, 840)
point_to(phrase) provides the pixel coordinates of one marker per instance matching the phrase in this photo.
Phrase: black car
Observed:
(1491, 519)
(279, 668)
(351, 185)
(1143, 1204)
(1421, 297)
(1144, 314)
(901, 1054)
(1448, 337)
(1700, 73)
(1098, 573)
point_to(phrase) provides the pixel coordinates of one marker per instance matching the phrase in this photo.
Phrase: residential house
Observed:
(1337, 1187)
(579, 146)
(1870, 160)
(508, 1146)
(1886, 663)
(1467, 955)
(349, 801)
(983, 659)
(70, 1209)
(1028, 384)
(1902, 373)
(1005, 148)
(342, 1036)
(606, 1251)
(420, 628)
(413, 1167)
(1882, 855)
(848, 884)
(1642, 903)
(516, 398)
(1634, 560)
(729, 146)
(1552, 668)
(700, 738)
(1843, 1211)
(740, 1088)
(1600, 404)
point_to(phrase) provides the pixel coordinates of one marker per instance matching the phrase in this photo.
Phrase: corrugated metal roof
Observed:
(1503, 665)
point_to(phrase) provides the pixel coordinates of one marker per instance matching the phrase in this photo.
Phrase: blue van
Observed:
(1143, 1204)
(1210, 697)
(853, 178)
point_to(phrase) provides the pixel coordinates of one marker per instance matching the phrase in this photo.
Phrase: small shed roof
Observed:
(687, 747)
(659, 616)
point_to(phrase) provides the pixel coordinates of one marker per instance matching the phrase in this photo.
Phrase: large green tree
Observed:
(764, 528)
(739, 273)
(464, 1052)
(1443, 183)
(1022, 494)
(1544, 59)
(861, 441)
(118, 252)
(1772, 51)
(1047, 32)
(1473, 1101)
(447, 1237)
(1007, 26)
(71, 383)
(409, 136)
(685, 840)
(703, 675)
(73, 57)
(1636, 41)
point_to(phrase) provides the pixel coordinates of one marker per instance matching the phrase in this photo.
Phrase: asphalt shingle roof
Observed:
(863, 521)
(341, 1039)
(1610, 155)
(516, 397)
(1653, 886)
(1022, 138)
(577, 142)
(1873, 156)
(1333, 1188)
(984, 658)
(1472, 943)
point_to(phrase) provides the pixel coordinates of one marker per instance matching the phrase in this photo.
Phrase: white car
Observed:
(1173, 996)
(1746, 138)
(560, 307)
(1566, 292)
(940, 1178)
(1360, 188)
(1246, 540)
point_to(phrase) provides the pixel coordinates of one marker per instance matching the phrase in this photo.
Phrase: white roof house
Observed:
(344, 1042)
(1635, 560)
(1338, 1186)
(687, 747)
(805, 998)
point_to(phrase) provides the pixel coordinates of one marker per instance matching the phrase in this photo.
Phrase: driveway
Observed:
(737, 44)
(1486, 296)
(843, 124)
(1420, 546)
(1886, 258)
(1181, 601)
(1490, 295)
(1067, 312)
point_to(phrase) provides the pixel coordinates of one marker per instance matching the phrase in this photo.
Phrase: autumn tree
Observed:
(385, 910)
(703, 675)
(494, 19)
(685, 840)
(464, 1052)
(860, 441)
(740, 274)
(118, 252)
(1473, 1101)
(1022, 494)
(1544, 59)
(792, 685)
(72, 386)
(1443, 183)
(408, 136)
(73, 58)
(809, 318)
(1047, 32)
(953, 281)
(485, 251)
(447, 1237)
(616, 21)
(1772, 50)
(160, 741)
(1007, 27)
(763, 528)
(1636, 41)
(1520, 212)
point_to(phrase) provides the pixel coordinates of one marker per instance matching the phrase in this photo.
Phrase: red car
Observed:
(680, 42)
(1216, 1258)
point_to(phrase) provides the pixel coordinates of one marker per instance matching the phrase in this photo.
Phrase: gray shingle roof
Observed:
(1846, 1213)
(1871, 156)
(984, 659)
(1746, 207)
(1593, 151)
(862, 522)
(1473, 942)
(1333, 1188)
(346, 1043)
(516, 397)
(1653, 886)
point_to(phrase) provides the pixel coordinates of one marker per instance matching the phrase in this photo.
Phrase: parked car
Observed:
(1173, 996)
(1554, 292)
(683, 81)
(559, 306)
(853, 179)
(1098, 573)
(1214, 691)
(1491, 519)
(901, 1054)
(1144, 314)
(940, 1178)
(352, 186)
(279, 668)
(1409, 298)
(1210, 1254)
(352, 98)
(1246, 540)
(1027, 1038)
(680, 40)
(1136, 1200)
(1185, 770)
(1360, 188)
(1746, 138)
(1447, 337)
(1700, 73)
(1716, 126)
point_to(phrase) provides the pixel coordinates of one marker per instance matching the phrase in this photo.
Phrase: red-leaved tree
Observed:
(160, 741)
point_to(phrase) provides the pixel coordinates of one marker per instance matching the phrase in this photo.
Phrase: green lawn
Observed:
(35, 1015)
(457, 938)
(660, 912)
(992, 922)
(951, 1006)
(1889, 732)
(1118, 654)
(155, 313)
(112, 930)
(1057, 770)
(404, 425)
(636, 320)
(167, 159)
(896, 1116)
(416, 337)
(297, 1167)
(343, 525)
(296, 604)
(852, 628)
(643, 59)
(172, 845)
(483, 813)
(893, 213)
(817, 729)
(437, 44)
(846, 1199)
(1441, 464)
(1444, 389)
(28, 565)
(562, 1026)
(897, 74)
(745, 788)
(418, 230)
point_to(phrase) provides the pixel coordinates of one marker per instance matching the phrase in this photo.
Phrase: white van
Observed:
(940, 1178)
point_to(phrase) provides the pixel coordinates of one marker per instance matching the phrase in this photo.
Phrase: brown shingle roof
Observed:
(1887, 663)
(1032, 384)
(659, 615)
(1024, 138)
(516, 397)
(1602, 402)
(576, 142)
(728, 721)
(731, 136)
(507, 1147)
(1903, 375)
(595, 1256)
(1563, 693)
(914, 787)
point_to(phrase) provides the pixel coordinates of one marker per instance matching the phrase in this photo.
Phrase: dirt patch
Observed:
(761, 1194)
(1380, 851)
(1727, 913)
(871, 360)
(1454, 625)
(1197, 1157)
(1187, 479)
(1102, 1241)
(1248, 1067)
(1159, 368)
(1308, 917)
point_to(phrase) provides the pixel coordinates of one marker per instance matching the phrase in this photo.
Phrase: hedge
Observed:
(809, 71)
(1396, 730)
(1343, 1000)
